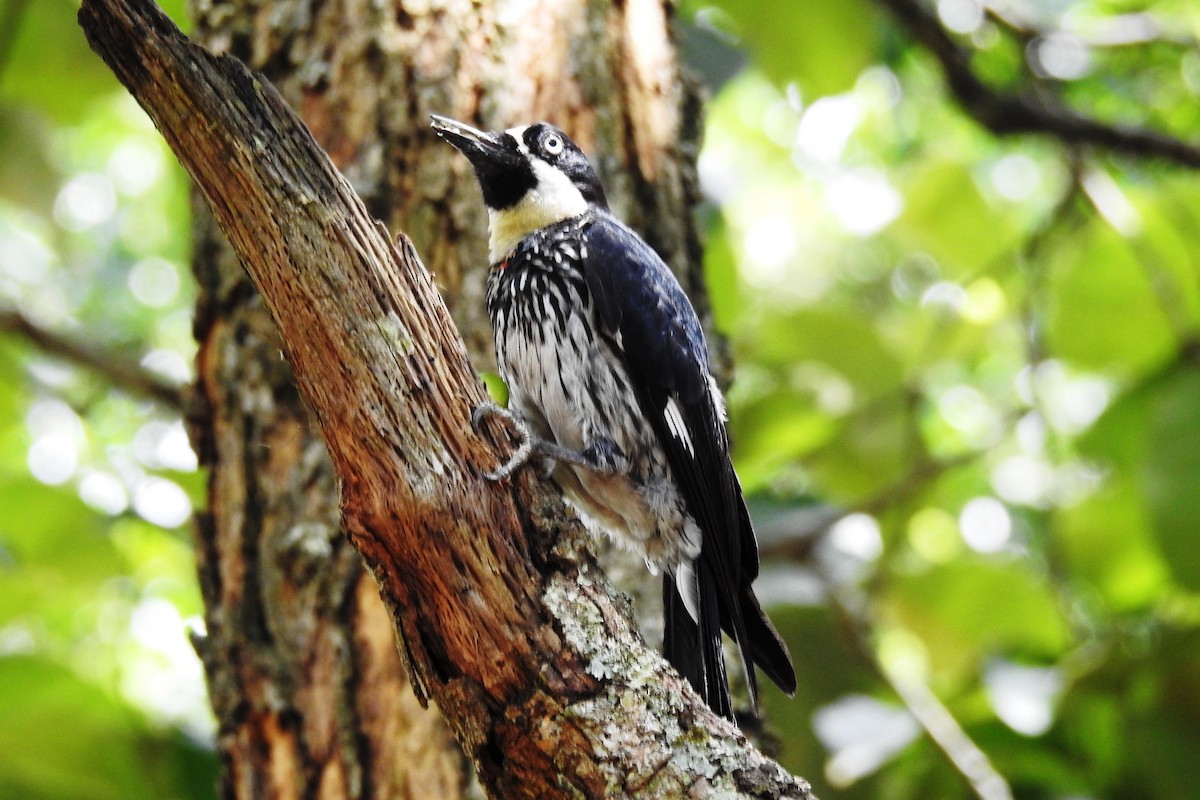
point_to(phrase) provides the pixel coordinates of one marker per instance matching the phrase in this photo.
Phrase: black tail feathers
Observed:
(694, 648)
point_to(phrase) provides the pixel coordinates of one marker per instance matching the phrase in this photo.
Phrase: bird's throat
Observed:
(553, 200)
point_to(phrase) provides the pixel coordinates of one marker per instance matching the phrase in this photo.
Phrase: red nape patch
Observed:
(504, 264)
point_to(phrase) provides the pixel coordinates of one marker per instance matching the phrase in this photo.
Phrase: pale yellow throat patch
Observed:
(554, 199)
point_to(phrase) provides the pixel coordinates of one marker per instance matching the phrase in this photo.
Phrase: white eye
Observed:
(552, 144)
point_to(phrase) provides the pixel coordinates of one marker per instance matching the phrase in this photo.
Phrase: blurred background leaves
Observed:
(101, 694)
(966, 401)
(973, 359)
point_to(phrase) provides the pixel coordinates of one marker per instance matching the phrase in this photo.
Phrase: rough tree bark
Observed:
(294, 625)
(309, 694)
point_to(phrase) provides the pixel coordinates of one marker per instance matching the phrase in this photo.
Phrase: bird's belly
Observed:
(648, 519)
(572, 391)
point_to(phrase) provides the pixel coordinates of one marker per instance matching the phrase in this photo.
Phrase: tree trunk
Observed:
(303, 674)
(306, 682)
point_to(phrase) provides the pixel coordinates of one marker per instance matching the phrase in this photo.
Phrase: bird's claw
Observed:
(521, 455)
(599, 458)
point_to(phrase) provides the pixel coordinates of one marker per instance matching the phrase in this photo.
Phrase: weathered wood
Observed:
(508, 624)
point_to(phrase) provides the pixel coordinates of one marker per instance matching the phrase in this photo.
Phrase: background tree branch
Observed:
(1006, 113)
(120, 372)
(507, 622)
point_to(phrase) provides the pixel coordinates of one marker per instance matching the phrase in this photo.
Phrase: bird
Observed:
(611, 390)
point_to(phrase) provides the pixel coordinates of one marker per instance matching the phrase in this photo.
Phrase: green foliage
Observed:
(947, 216)
(103, 696)
(979, 353)
(1102, 310)
(822, 45)
(63, 737)
(985, 349)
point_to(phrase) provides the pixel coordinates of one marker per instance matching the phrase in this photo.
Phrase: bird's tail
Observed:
(759, 643)
(693, 644)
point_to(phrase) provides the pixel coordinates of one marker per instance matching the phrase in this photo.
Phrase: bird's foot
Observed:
(524, 449)
(602, 456)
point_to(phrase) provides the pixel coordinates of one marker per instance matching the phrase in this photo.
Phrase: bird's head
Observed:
(531, 176)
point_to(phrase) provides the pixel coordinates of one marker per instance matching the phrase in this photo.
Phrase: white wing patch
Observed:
(718, 399)
(676, 425)
(689, 589)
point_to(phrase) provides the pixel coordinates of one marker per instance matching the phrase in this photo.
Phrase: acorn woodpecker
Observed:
(610, 386)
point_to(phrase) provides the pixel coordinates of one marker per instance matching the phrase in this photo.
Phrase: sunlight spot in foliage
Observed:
(1023, 697)
(1060, 55)
(769, 244)
(53, 456)
(985, 302)
(879, 87)
(25, 256)
(1070, 402)
(946, 295)
(826, 127)
(780, 119)
(161, 444)
(1025, 480)
(161, 502)
(1031, 433)
(967, 410)
(86, 201)
(961, 16)
(170, 364)
(50, 415)
(154, 282)
(985, 524)
(862, 734)
(857, 535)
(933, 534)
(103, 491)
(135, 166)
(1111, 202)
(164, 676)
(1016, 177)
(863, 201)
(719, 176)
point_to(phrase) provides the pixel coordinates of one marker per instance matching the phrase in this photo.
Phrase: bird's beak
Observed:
(478, 146)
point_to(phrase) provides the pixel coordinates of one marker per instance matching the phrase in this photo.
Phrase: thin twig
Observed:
(10, 25)
(120, 372)
(1005, 113)
(930, 712)
(941, 726)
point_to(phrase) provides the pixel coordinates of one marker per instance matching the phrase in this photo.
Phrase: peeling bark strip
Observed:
(510, 627)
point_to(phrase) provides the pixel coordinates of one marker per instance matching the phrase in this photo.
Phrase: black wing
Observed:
(647, 317)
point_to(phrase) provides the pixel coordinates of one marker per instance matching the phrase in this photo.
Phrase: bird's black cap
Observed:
(503, 160)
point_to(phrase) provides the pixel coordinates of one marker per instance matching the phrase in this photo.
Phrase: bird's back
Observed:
(602, 351)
